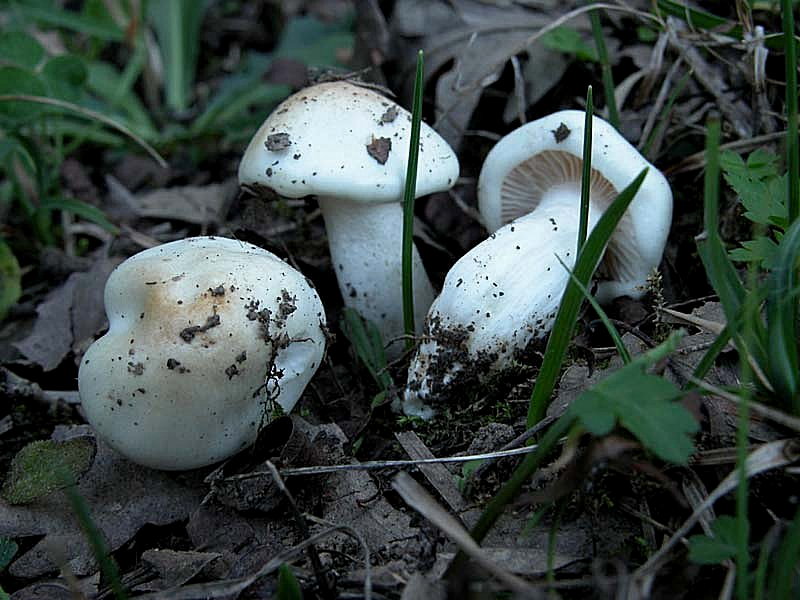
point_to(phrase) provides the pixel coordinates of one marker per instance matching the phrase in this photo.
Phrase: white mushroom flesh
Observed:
(497, 301)
(207, 337)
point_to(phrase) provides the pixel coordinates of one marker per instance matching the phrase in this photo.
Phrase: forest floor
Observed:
(603, 517)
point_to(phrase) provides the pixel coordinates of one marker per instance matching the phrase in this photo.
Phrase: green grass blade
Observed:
(784, 577)
(792, 142)
(567, 316)
(89, 114)
(612, 331)
(783, 368)
(699, 18)
(366, 340)
(711, 355)
(71, 20)
(586, 175)
(718, 266)
(518, 478)
(408, 204)
(605, 65)
(107, 566)
(177, 24)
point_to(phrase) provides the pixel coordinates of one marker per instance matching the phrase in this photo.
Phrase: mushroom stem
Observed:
(496, 300)
(366, 251)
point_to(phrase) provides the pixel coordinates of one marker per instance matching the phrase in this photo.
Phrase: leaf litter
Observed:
(229, 525)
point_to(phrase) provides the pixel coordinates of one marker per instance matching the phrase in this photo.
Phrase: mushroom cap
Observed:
(548, 152)
(340, 140)
(204, 334)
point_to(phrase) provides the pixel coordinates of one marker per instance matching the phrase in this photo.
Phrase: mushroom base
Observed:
(498, 301)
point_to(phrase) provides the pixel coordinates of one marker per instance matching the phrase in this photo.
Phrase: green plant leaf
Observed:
(104, 80)
(712, 550)
(569, 41)
(14, 80)
(365, 338)
(643, 404)
(761, 249)
(288, 586)
(65, 76)
(8, 548)
(761, 191)
(10, 279)
(38, 469)
(55, 16)
(20, 49)
(82, 209)
(315, 43)
(177, 24)
(783, 363)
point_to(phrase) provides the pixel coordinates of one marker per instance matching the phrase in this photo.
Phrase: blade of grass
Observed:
(699, 18)
(783, 368)
(784, 576)
(567, 316)
(177, 24)
(711, 355)
(586, 175)
(518, 478)
(408, 205)
(68, 19)
(605, 65)
(89, 114)
(612, 331)
(107, 566)
(792, 142)
(735, 302)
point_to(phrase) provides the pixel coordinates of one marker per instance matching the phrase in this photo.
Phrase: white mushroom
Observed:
(349, 146)
(207, 337)
(503, 295)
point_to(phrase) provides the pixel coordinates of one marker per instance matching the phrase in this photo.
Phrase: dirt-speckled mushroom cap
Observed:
(547, 152)
(204, 333)
(340, 140)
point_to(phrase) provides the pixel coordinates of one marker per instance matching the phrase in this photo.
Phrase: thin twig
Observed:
(322, 581)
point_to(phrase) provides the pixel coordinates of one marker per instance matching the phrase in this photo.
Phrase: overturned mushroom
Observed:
(503, 295)
(207, 338)
(349, 146)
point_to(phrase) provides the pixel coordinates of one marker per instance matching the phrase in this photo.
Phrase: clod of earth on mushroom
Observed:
(349, 146)
(207, 336)
(502, 296)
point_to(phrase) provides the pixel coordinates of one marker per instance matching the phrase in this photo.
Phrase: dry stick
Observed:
(734, 109)
(655, 112)
(697, 160)
(347, 530)
(322, 581)
(382, 464)
(765, 411)
(227, 587)
(418, 498)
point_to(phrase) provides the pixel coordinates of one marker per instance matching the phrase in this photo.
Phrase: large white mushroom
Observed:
(349, 146)
(502, 296)
(207, 337)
